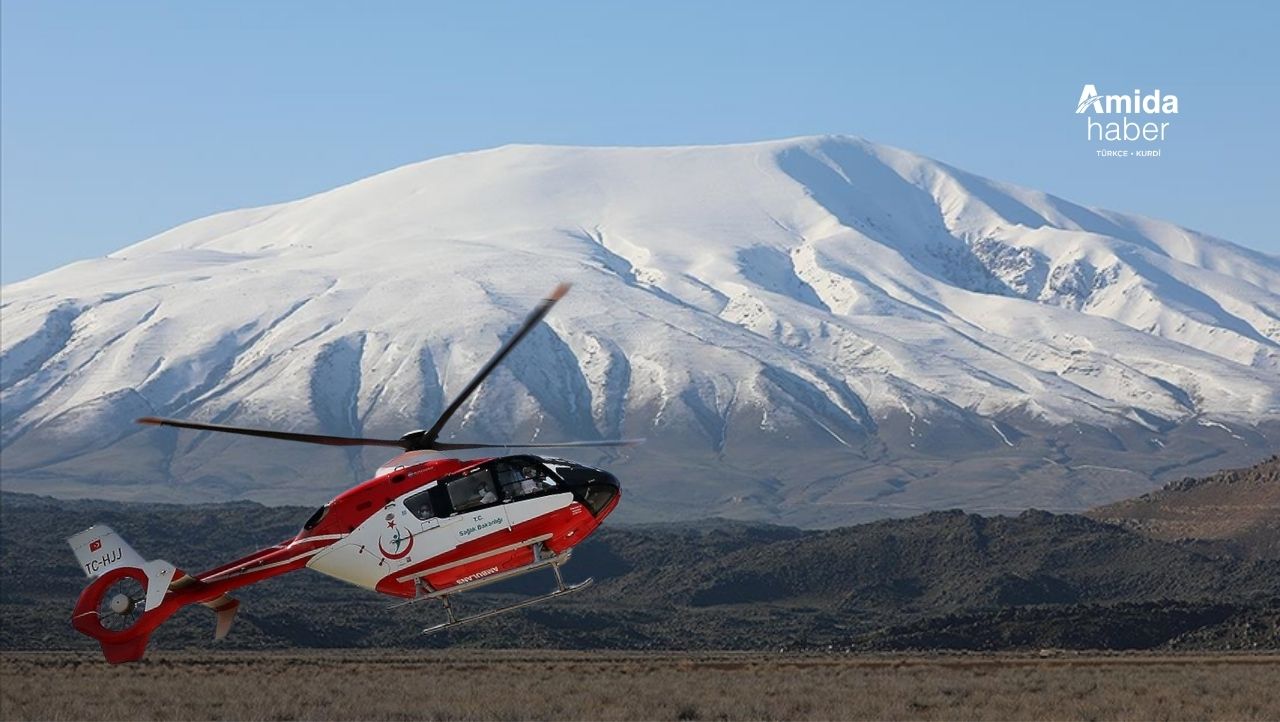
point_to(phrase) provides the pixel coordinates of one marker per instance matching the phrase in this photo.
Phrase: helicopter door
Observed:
(440, 504)
(428, 506)
(477, 511)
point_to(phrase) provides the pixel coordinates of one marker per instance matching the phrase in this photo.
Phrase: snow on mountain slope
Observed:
(809, 331)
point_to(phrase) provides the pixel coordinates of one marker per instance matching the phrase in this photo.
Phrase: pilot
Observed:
(529, 481)
(487, 496)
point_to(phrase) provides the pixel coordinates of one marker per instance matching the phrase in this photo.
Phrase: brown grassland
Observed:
(475, 684)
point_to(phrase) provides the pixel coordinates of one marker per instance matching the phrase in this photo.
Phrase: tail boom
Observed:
(110, 562)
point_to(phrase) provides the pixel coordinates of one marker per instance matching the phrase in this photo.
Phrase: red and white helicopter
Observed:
(424, 527)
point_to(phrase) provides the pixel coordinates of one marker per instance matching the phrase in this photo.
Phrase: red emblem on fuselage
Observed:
(95, 545)
(399, 541)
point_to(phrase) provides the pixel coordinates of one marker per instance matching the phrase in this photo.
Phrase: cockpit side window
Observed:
(521, 480)
(420, 505)
(473, 491)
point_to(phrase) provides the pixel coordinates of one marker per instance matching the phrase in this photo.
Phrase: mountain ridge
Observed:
(920, 336)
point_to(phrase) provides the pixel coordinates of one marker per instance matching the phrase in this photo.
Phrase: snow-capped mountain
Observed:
(810, 331)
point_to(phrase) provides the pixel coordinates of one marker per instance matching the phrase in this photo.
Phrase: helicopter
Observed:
(425, 527)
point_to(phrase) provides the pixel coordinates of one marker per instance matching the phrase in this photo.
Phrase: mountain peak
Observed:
(919, 336)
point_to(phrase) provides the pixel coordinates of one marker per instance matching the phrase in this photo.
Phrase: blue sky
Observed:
(119, 120)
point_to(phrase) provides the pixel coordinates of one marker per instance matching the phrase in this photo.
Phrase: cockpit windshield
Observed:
(499, 481)
(571, 473)
(520, 479)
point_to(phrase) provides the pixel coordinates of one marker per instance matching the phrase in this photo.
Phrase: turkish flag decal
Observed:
(95, 545)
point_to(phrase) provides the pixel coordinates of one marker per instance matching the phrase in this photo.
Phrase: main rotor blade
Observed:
(428, 437)
(285, 435)
(450, 446)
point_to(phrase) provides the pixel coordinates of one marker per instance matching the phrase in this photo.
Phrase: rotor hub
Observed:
(121, 604)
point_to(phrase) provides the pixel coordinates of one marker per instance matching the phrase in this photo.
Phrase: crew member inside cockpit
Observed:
(530, 481)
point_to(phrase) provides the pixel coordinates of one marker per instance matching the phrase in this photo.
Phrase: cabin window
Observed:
(420, 505)
(473, 491)
(522, 479)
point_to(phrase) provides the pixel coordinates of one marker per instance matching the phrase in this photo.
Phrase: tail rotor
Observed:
(121, 604)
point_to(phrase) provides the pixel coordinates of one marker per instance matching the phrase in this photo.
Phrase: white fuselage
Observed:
(392, 538)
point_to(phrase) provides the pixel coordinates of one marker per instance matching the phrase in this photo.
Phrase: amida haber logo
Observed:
(1132, 126)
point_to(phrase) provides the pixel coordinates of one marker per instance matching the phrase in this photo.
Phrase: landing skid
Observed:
(561, 590)
(454, 621)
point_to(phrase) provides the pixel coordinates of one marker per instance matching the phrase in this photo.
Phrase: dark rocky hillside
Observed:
(941, 580)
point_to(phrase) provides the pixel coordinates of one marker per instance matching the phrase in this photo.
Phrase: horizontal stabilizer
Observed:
(160, 575)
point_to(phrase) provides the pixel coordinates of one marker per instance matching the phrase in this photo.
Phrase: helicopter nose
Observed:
(598, 491)
(601, 493)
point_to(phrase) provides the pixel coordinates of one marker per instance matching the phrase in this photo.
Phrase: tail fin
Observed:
(129, 596)
(100, 549)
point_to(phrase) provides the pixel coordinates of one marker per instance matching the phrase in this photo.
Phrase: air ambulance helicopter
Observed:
(424, 527)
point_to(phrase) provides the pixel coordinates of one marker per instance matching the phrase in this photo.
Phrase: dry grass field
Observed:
(513, 685)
